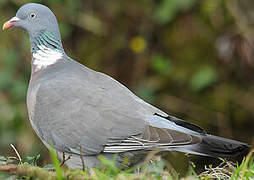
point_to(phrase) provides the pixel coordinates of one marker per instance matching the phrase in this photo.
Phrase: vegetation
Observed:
(192, 58)
(153, 169)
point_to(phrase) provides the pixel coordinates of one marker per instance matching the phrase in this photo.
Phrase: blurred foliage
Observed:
(194, 59)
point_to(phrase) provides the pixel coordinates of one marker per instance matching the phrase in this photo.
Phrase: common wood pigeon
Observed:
(85, 113)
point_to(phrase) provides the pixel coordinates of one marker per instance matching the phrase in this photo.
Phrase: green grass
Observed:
(28, 170)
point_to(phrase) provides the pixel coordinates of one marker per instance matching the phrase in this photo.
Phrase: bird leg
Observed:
(63, 158)
(82, 159)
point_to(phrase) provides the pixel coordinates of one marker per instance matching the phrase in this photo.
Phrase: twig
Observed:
(65, 160)
(13, 158)
(82, 160)
(219, 172)
(8, 168)
(19, 157)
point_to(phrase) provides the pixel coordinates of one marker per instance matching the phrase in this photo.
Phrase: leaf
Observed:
(3, 160)
(203, 78)
(168, 9)
(111, 165)
(48, 167)
(56, 163)
(32, 160)
(161, 64)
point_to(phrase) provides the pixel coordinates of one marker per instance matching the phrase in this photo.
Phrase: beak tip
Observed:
(6, 25)
(10, 23)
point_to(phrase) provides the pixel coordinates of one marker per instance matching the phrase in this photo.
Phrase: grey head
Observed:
(40, 23)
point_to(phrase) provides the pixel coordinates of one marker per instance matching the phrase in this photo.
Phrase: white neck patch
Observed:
(45, 57)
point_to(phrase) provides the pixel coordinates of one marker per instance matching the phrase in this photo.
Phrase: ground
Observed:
(12, 168)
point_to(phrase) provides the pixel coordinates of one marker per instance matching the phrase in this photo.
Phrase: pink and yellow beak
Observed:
(10, 23)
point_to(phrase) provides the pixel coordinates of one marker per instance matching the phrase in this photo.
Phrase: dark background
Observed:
(193, 59)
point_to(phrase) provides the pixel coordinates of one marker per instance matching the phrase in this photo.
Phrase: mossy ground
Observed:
(27, 169)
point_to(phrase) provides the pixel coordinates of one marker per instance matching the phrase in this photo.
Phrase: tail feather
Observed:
(209, 145)
(215, 146)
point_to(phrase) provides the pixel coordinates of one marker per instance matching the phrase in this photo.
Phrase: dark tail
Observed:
(210, 145)
(215, 146)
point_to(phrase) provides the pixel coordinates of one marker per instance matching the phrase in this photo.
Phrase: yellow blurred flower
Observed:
(137, 44)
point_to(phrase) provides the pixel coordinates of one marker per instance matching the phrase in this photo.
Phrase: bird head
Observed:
(34, 18)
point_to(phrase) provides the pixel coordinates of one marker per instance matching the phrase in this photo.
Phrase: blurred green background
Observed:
(192, 58)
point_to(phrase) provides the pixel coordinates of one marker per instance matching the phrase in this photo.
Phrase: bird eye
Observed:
(32, 15)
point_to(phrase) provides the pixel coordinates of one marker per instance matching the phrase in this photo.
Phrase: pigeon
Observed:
(84, 114)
